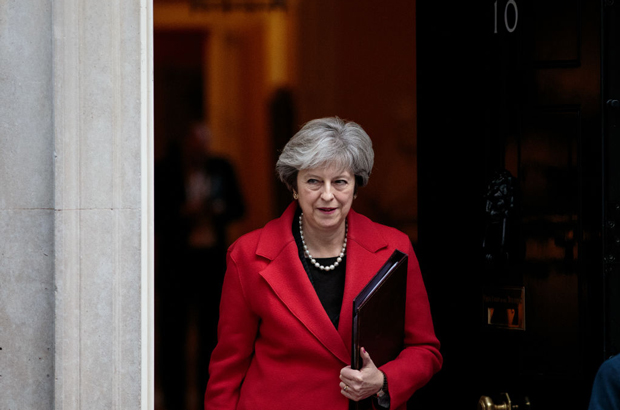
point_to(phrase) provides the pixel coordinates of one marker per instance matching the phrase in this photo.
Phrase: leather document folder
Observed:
(379, 316)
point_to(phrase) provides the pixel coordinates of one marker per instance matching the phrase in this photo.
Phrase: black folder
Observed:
(379, 315)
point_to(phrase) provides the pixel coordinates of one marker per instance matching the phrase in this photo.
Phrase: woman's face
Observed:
(325, 197)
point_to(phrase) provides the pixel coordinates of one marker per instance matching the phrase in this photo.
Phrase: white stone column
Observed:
(103, 203)
(76, 205)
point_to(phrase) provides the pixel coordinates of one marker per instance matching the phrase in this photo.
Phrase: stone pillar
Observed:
(76, 213)
(26, 207)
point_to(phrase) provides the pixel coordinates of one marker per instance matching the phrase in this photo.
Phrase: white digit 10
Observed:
(512, 28)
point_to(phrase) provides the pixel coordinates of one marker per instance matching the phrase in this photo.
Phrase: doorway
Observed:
(265, 74)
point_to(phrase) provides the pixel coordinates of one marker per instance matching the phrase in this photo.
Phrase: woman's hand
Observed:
(360, 384)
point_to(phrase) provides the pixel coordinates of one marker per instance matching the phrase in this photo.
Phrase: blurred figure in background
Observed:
(198, 198)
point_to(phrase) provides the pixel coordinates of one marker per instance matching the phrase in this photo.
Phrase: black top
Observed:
(329, 285)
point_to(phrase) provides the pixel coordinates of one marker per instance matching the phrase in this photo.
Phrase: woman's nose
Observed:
(327, 194)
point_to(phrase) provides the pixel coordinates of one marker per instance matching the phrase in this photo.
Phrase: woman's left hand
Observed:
(360, 384)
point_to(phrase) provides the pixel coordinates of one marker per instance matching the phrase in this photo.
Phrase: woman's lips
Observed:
(327, 210)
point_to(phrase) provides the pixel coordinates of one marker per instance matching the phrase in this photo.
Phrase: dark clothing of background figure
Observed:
(606, 389)
(194, 206)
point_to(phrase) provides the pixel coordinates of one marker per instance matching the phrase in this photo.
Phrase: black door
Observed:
(517, 231)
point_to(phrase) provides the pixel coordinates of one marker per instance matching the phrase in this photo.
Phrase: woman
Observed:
(285, 318)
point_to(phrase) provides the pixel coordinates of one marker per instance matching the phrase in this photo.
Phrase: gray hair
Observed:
(325, 142)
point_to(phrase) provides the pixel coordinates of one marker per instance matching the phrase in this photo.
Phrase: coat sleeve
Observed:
(237, 330)
(420, 359)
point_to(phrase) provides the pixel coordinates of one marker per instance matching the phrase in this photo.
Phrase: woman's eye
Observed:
(312, 181)
(341, 182)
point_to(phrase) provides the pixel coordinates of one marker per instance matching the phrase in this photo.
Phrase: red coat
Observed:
(277, 347)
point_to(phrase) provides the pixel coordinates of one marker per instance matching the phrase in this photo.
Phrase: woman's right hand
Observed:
(360, 384)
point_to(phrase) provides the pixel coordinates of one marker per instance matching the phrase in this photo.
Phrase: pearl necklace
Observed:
(307, 252)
